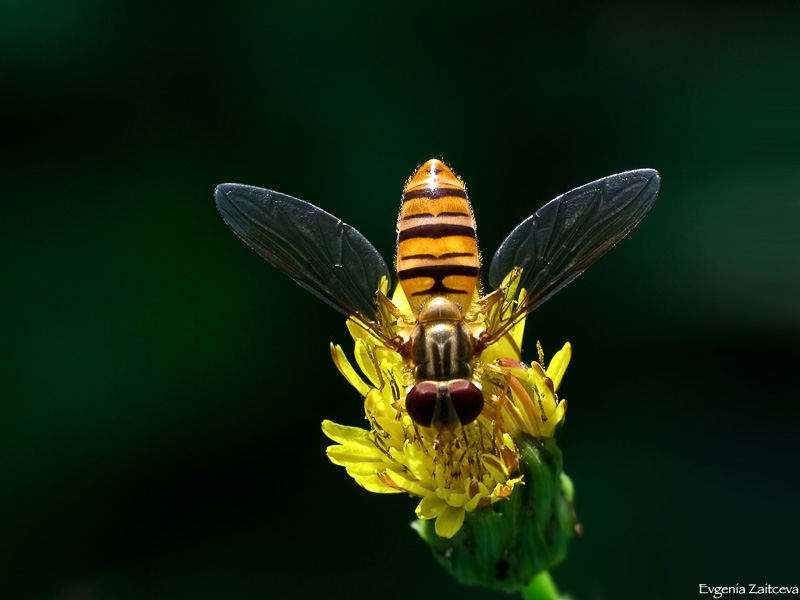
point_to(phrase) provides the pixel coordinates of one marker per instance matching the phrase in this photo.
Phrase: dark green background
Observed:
(162, 386)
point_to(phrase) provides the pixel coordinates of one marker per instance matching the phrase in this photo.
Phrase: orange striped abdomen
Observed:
(437, 250)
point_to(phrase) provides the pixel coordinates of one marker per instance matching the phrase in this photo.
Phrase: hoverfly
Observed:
(437, 265)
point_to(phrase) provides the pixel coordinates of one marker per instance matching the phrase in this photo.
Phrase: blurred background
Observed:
(159, 430)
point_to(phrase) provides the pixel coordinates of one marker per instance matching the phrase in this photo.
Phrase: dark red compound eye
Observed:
(421, 402)
(467, 400)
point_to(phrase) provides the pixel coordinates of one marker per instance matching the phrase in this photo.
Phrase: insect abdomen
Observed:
(437, 250)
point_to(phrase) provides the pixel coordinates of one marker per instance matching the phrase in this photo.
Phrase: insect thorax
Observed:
(442, 350)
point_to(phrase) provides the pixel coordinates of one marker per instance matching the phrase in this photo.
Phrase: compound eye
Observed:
(421, 402)
(467, 400)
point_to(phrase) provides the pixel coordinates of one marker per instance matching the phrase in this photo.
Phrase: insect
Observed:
(438, 265)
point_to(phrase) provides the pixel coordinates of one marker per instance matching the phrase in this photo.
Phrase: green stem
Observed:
(541, 587)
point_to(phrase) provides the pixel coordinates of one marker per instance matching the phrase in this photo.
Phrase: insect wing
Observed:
(564, 237)
(327, 257)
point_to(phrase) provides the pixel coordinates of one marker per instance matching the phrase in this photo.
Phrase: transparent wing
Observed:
(327, 257)
(568, 234)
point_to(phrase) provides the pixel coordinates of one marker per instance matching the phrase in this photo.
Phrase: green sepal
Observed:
(505, 545)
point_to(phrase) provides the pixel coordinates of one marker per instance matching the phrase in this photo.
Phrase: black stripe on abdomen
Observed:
(434, 193)
(438, 273)
(432, 216)
(435, 231)
(444, 256)
(420, 257)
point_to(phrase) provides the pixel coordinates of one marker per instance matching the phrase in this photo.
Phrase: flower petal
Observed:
(375, 484)
(558, 365)
(449, 522)
(346, 369)
(456, 500)
(346, 435)
(366, 363)
(417, 461)
(474, 502)
(400, 301)
(345, 456)
(495, 467)
(412, 487)
(430, 507)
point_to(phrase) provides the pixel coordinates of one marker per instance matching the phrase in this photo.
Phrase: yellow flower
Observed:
(452, 472)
